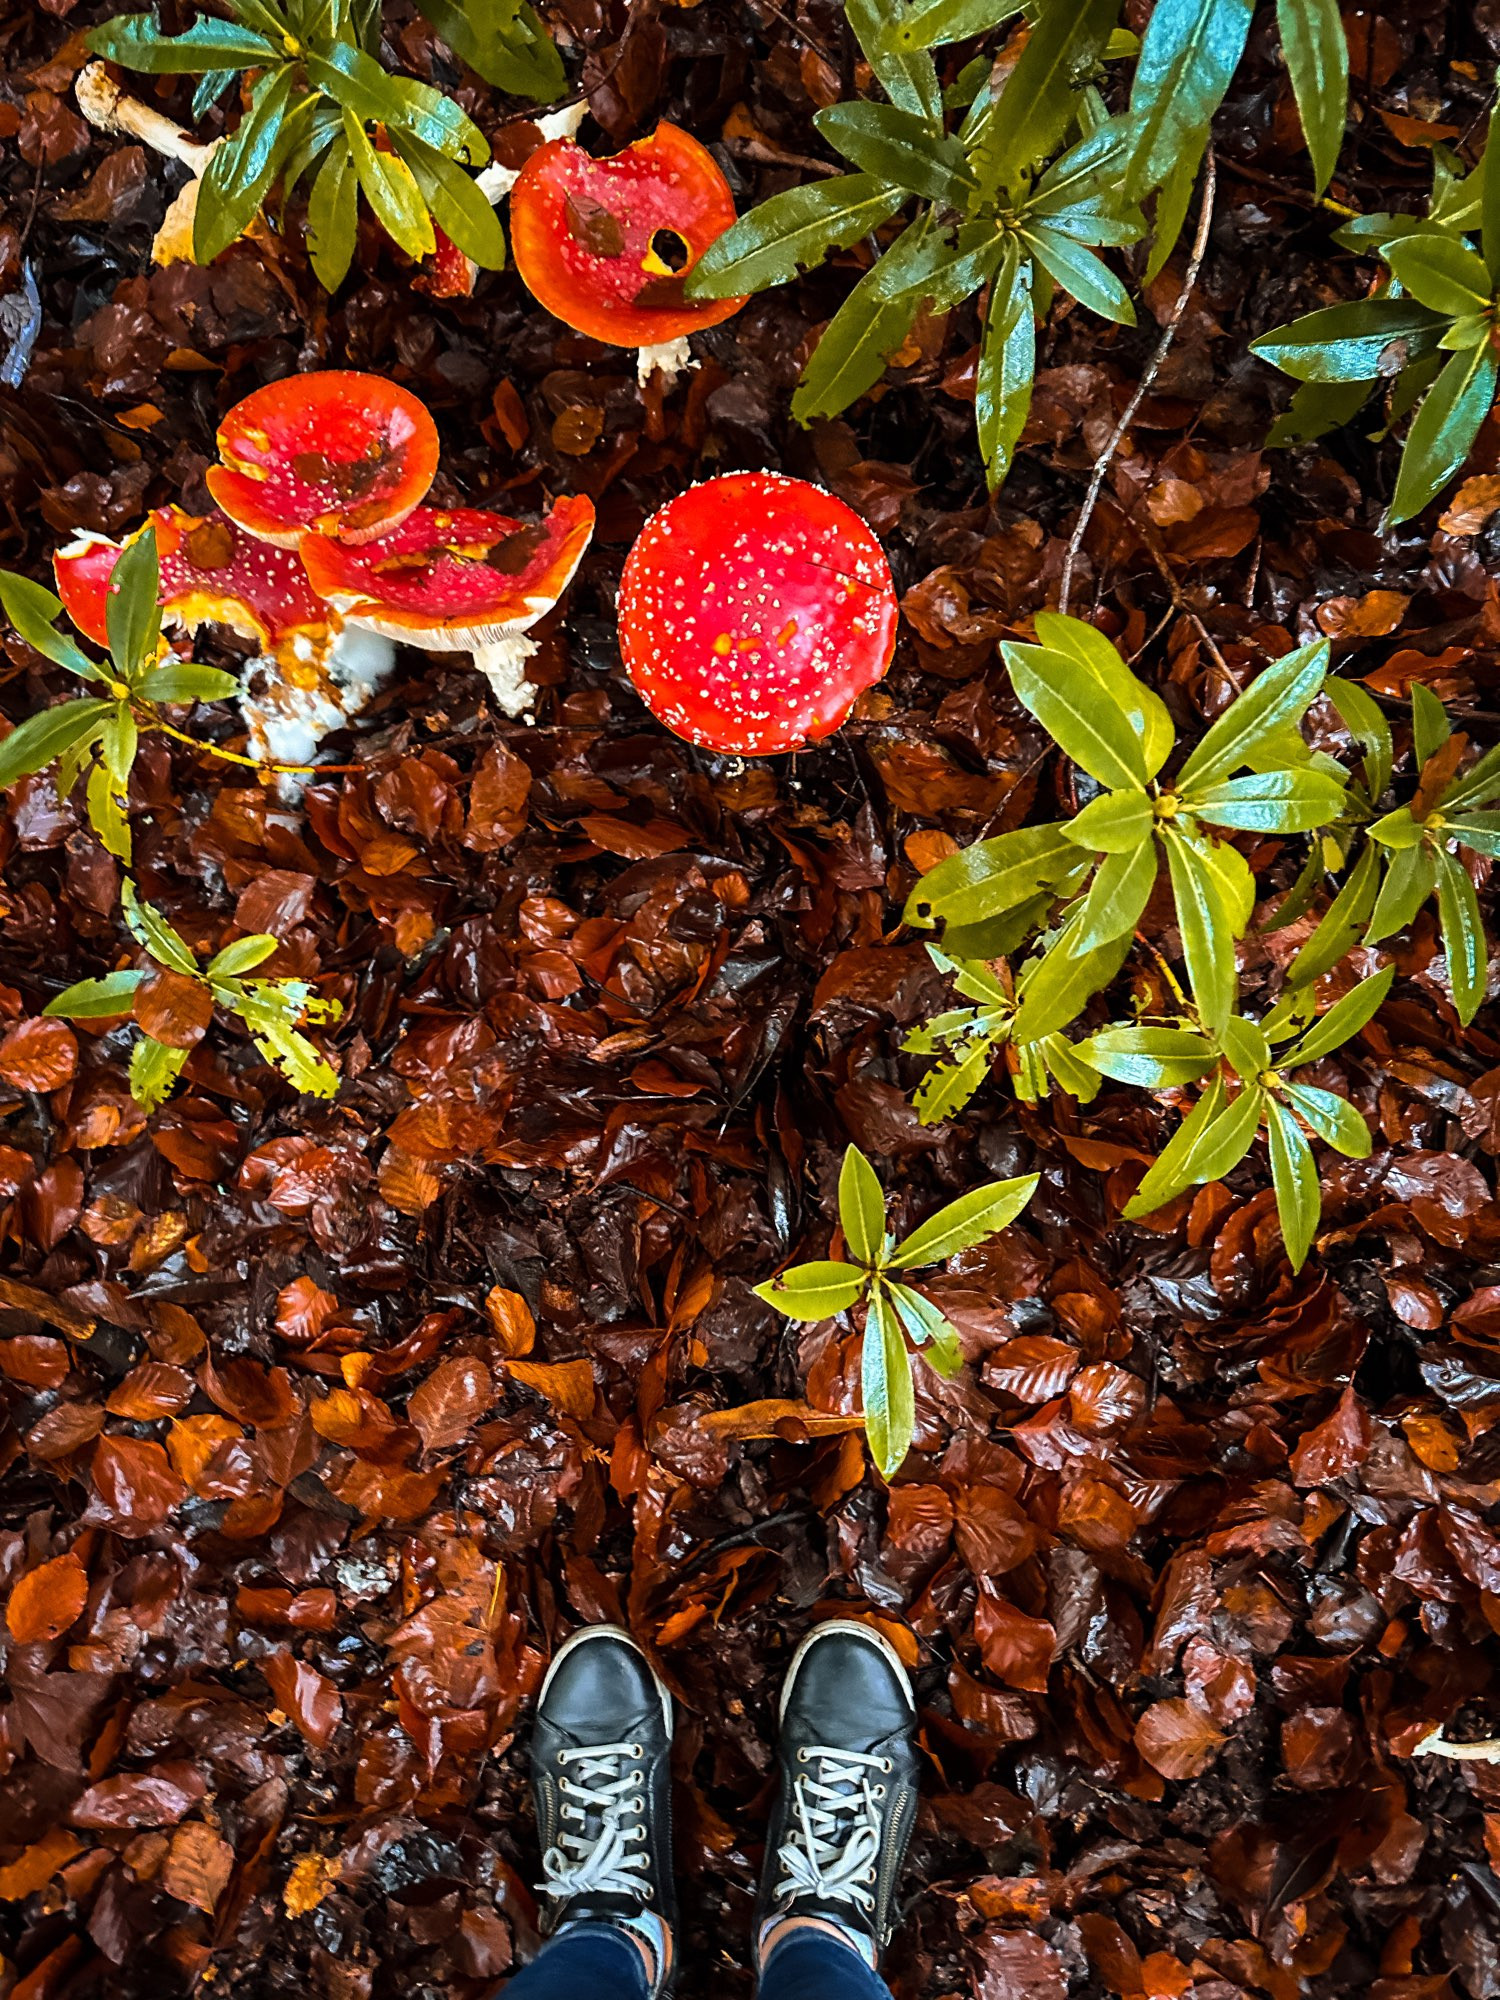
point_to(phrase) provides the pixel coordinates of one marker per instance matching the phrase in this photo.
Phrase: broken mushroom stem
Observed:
(109, 109)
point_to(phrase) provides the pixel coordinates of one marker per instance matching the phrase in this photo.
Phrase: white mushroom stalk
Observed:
(295, 697)
(495, 181)
(110, 109)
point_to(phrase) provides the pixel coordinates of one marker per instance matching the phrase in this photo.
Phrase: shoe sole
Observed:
(582, 1637)
(856, 1629)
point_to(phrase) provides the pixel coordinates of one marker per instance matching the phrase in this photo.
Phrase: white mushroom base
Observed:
(669, 359)
(289, 706)
(503, 663)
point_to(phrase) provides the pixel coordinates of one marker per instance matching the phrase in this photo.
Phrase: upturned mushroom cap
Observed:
(454, 577)
(588, 236)
(334, 452)
(754, 611)
(212, 573)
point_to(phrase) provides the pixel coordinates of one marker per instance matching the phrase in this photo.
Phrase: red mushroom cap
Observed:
(336, 452)
(583, 232)
(754, 610)
(212, 573)
(454, 577)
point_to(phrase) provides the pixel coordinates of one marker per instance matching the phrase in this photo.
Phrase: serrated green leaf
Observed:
(333, 216)
(1188, 54)
(813, 1291)
(1208, 933)
(982, 1212)
(931, 23)
(861, 1207)
(1213, 1138)
(1081, 273)
(1464, 940)
(901, 148)
(1443, 430)
(1007, 364)
(1117, 896)
(504, 43)
(33, 744)
(1352, 343)
(792, 232)
(1077, 712)
(455, 203)
(150, 928)
(990, 877)
(1042, 94)
(1479, 831)
(997, 937)
(1270, 801)
(1244, 1043)
(852, 350)
(951, 1082)
(1342, 922)
(33, 611)
(182, 680)
(154, 1070)
(1440, 271)
(902, 67)
(886, 1387)
(1410, 878)
(929, 1329)
(96, 999)
(242, 956)
(1343, 1021)
(1114, 823)
(238, 176)
(1333, 1118)
(1294, 1175)
(1361, 715)
(1430, 725)
(1151, 1058)
(1055, 989)
(131, 612)
(1316, 53)
(1282, 693)
(391, 190)
(136, 42)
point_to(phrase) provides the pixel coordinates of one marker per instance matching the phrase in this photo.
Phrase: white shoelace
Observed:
(607, 1786)
(833, 1844)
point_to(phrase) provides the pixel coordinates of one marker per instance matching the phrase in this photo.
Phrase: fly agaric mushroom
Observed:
(606, 245)
(460, 580)
(109, 109)
(309, 676)
(334, 451)
(754, 611)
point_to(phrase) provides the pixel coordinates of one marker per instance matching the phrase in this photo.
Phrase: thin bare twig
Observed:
(1152, 369)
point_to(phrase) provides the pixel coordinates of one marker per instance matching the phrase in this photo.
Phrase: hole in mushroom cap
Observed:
(670, 248)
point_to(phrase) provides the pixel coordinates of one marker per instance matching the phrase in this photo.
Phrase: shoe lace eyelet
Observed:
(880, 1791)
(886, 1764)
(801, 1756)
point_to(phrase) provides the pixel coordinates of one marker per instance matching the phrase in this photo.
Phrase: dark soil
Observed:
(1191, 1557)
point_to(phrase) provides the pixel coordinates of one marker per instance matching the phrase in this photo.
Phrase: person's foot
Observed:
(848, 1795)
(601, 1777)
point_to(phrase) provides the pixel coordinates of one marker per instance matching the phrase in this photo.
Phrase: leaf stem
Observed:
(1148, 376)
(249, 763)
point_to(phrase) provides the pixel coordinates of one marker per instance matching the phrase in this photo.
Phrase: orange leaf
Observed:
(444, 1407)
(173, 1009)
(35, 1868)
(778, 1417)
(198, 1867)
(47, 1600)
(38, 1055)
(312, 1876)
(1177, 1738)
(308, 1697)
(567, 1385)
(511, 1318)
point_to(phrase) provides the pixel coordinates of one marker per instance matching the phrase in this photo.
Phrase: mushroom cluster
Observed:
(319, 549)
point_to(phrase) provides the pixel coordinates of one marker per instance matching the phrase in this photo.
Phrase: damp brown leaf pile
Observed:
(324, 1421)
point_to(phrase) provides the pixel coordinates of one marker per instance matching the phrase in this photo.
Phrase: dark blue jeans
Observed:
(597, 1962)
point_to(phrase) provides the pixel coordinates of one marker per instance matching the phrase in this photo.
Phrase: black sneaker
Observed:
(848, 1796)
(601, 1775)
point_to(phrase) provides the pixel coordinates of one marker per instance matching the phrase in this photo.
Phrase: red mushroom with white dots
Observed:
(607, 245)
(754, 611)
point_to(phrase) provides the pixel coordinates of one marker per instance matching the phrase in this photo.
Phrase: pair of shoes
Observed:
(845, 1805)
